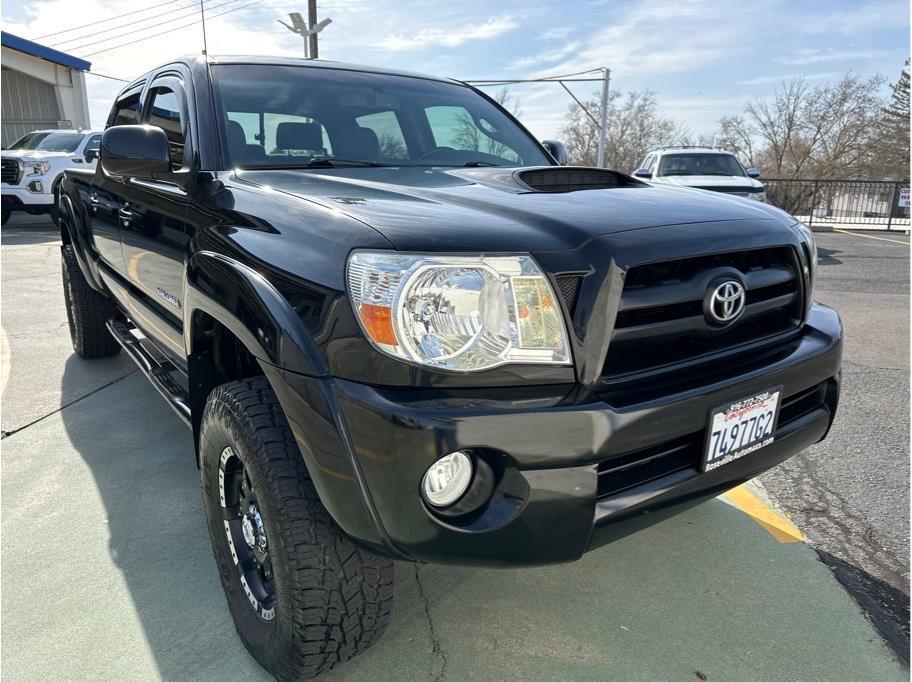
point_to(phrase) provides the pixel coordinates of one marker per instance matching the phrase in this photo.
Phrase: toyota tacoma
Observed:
(400, 329)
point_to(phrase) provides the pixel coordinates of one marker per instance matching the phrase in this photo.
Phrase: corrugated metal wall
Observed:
(28, 104)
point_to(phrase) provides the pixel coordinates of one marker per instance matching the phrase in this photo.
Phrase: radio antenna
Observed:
(203, 13)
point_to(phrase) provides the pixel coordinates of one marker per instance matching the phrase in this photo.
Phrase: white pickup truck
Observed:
(31, 168)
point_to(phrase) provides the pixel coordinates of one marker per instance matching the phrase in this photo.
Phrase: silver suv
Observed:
(702, 168)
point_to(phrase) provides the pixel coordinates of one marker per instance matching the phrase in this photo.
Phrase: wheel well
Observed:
(216, 357)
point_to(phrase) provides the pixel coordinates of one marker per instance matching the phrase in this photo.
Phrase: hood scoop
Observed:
(573, 178)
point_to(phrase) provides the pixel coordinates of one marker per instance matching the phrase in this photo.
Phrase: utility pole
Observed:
(313, 51)
(603, 115)
(307, 30)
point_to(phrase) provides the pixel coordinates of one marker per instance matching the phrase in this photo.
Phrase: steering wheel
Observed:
(436, 150)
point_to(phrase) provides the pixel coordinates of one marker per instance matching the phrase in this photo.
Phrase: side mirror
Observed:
(557, 150)
(91, 155)
(643, 173)
(753, 172)
(135, 151)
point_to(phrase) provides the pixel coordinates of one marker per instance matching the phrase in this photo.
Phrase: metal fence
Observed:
(883, 205)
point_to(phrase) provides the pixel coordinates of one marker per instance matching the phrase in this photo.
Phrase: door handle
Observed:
(126, 215)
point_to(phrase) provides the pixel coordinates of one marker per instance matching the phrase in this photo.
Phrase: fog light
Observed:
(447, 479)
(36, 186)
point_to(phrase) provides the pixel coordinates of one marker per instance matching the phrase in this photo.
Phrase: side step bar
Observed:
(158, 373)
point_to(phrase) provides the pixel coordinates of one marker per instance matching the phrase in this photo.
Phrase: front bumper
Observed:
(20, 197)
(549, 445)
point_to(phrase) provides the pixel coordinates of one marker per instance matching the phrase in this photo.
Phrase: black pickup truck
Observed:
(399, 328)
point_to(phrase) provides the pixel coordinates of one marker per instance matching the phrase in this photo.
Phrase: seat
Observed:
(365, 145)
(299, 136)
(239, 150)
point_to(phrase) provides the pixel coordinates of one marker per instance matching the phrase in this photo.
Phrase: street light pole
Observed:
(312, 52)
(307, 30)
(603, 116)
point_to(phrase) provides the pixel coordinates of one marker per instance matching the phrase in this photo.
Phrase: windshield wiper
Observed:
(477, 164)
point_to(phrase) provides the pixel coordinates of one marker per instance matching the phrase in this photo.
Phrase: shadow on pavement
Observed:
(142, 460)
(16, 237)
(887, 607)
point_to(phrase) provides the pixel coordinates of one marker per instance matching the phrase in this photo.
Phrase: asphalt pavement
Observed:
(850, 494)
(108, 571)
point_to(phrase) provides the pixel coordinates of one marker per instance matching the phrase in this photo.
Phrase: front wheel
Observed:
(303, 596)
(6, 215)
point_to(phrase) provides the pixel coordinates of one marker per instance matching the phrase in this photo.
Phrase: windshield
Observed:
(48, 142)
(699, 164)
(275, 116)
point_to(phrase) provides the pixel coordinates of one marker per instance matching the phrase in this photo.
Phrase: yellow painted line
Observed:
(766, 517)
(870, 236)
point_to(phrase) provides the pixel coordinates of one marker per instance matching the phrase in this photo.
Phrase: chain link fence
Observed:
(882, 205)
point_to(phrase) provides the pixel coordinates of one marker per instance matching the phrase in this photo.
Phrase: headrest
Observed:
(237, 140)
(291, 135)
(366, 145)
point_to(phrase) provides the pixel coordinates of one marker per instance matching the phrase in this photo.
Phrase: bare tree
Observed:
(634, 127)
(470, 136)
(828, 131)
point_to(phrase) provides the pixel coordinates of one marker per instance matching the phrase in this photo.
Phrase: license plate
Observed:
(741, 427)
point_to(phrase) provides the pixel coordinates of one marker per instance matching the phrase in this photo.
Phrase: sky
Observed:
(703, 58)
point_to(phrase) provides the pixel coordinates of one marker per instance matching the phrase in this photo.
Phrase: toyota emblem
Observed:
(724, 301)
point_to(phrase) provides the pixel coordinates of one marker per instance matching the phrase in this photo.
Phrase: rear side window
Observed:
(165, 112)
(126, 109)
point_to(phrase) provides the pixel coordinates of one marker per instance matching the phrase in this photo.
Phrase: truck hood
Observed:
(31, 154)
(492, 210)
(709, 181)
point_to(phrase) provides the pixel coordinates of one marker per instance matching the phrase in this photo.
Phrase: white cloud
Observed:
(544, 57)
(765, 80)
(452, 36)
(822, 55)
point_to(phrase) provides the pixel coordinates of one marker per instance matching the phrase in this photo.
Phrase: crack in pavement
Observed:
(435, 642)
(4, 434)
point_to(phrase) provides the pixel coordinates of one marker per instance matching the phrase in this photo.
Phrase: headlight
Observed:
(461, 313)
(38, 167)
(759, 196)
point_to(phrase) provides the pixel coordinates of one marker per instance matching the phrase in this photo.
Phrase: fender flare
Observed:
(79, 238)
(253, 310)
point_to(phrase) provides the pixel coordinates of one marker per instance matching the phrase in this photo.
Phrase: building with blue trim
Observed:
(41, 88)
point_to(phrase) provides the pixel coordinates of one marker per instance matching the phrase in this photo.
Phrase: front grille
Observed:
(9, 171)
(635, 468)
(641, 466)
(661, 323)
(569, 285)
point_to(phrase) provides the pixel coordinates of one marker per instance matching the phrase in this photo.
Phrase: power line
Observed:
(125, 25)
(101, 75)
(102, 21)
(146, 28)
(173, 28)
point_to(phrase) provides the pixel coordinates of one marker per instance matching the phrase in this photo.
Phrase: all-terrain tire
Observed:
(87, 311)
(331, 598)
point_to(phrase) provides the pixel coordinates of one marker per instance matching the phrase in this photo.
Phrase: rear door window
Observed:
(126, 110)
(165, 111)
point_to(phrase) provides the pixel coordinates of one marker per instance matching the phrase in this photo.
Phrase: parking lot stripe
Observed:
(768, 518)
(870, 236)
